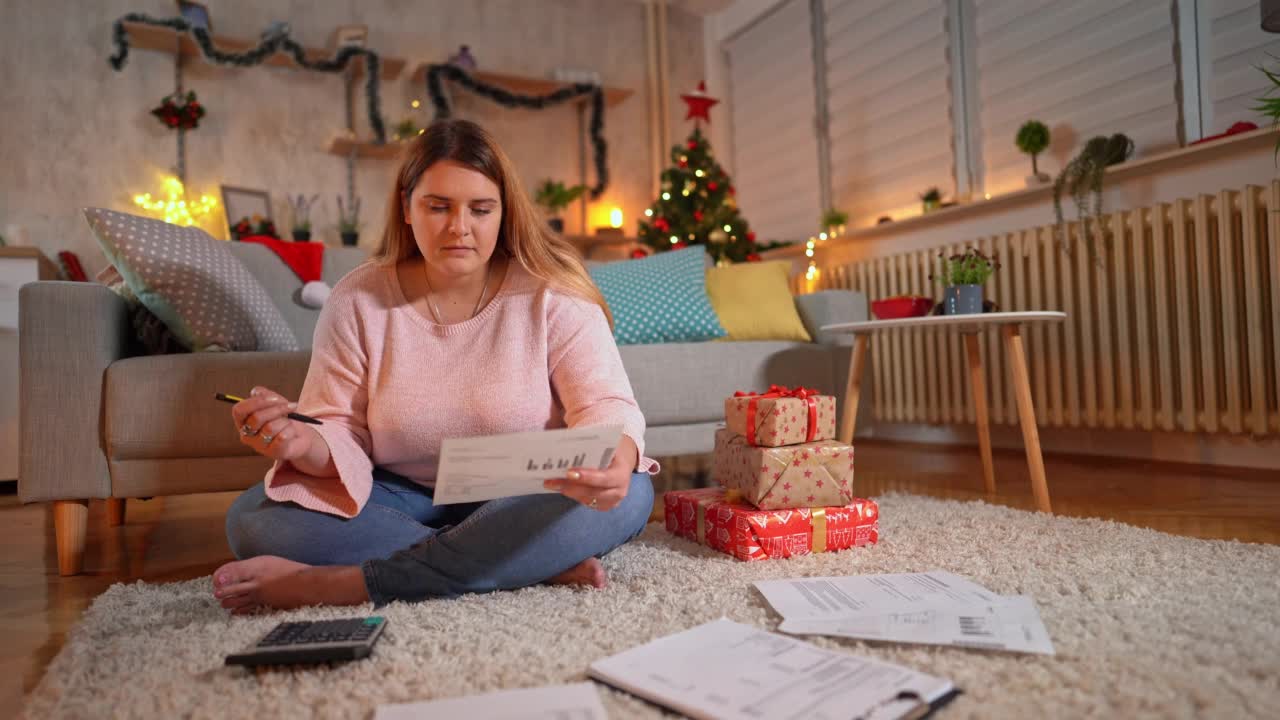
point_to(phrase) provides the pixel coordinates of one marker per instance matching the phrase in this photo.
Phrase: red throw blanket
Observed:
(306, 259)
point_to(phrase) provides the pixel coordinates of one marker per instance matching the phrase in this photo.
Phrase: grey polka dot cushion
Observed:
(192, 282)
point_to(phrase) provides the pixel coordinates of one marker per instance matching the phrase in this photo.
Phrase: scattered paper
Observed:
(496, 466)
(580, 701)
(935, 608)
(724, 669)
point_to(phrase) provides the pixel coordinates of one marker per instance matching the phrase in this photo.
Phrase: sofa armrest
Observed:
(68, 333)
(827, 307)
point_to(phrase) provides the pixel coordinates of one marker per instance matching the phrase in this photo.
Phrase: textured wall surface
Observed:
(75, 133)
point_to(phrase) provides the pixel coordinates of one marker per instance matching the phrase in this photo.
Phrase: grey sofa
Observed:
(100, 419)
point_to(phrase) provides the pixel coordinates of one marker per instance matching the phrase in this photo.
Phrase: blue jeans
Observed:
(410, 549)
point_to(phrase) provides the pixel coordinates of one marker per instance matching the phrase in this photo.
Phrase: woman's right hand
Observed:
(263, 423)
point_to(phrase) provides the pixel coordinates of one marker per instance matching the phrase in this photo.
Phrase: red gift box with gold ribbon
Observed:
(718, 519)
(782, 416)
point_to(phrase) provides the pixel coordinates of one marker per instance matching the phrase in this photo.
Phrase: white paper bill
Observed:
(841, 597)
(496, 466)
(579, 701)
(1013, 624)
(935, 607)
(724, 669)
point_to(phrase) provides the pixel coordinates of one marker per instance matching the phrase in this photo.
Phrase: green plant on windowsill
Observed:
(1269, 106)
(1032, 139)
(931, 199)
(833, 221)
(1082, 178)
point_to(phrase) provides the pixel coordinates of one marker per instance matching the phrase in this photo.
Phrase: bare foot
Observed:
(236, 584)
(263, 567)
(589, 573)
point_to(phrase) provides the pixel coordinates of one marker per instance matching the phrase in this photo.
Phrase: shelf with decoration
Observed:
(343, 146)
(167, 40)
(527, 85)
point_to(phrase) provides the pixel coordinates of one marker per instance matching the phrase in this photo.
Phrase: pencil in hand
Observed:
(293, 415)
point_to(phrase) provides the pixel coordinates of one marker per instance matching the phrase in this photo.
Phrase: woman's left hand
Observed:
(601, 490)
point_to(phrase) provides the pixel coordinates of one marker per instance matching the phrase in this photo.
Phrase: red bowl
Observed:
(902, 306)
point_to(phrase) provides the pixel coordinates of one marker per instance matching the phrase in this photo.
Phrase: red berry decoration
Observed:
(697, 216)
(639, 253)
(751, 236)
(679, 246)
(684, 163)
(753, 258)
(662, 225)
(712, 186)
(693, 144)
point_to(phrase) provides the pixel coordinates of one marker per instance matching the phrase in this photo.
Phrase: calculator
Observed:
(314, 641)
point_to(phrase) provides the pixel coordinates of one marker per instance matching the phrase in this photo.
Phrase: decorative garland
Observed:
(276, 41)
(506, 98)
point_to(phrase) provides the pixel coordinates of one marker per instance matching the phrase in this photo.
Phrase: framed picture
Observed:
(238, 202)
(350, 35)
(195, 13)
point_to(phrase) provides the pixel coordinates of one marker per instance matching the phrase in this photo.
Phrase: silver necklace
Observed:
(435, 311)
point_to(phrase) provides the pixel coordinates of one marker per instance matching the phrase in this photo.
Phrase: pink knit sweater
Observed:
(390, 384)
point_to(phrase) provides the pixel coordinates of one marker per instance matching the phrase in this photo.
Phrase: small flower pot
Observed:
(928, 206)
(349, 239)
(301, 235)
(962, 300)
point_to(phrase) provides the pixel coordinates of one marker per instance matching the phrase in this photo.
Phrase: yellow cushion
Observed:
(754, 301)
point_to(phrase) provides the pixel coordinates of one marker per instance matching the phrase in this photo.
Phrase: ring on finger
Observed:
(594, 504)
(247, 431)
(267, 438)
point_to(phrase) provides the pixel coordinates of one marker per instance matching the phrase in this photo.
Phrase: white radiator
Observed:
(1172, 325)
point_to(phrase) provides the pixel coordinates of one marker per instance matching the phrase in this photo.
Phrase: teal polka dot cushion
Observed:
(659, 299)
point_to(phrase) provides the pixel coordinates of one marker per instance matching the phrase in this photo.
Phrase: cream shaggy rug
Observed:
(1145, 625)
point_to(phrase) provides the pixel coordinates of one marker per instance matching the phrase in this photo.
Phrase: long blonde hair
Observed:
(524, 235)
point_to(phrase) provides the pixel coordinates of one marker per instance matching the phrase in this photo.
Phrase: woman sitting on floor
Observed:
(473, 318)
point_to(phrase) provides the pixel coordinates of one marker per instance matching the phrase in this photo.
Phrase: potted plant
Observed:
(1269, 105)
(834, 221)
(1082, 177)
(1033, 138)
(962, 276)
(349, 222)
(931, 200)
(555, 197)
(302, 216)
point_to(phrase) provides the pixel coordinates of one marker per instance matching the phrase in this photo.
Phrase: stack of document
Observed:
(936, 608)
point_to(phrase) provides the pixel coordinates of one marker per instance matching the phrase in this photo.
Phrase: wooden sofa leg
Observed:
(70, 523)
(115, 511)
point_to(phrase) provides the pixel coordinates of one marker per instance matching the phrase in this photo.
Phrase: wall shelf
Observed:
(162, 39)
(527, 85)
(342, 147)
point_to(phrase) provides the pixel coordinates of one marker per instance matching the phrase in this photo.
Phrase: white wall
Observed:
(76, 133)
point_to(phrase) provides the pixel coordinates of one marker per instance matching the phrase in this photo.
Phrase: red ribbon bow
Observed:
(809, 395)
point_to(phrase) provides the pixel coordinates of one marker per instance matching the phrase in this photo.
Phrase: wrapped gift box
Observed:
(816, 474)
(781, 416)
(712, 517)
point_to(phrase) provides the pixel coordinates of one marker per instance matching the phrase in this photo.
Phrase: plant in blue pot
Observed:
(962, 276)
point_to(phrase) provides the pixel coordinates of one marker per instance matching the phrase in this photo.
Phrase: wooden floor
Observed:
(179, 538)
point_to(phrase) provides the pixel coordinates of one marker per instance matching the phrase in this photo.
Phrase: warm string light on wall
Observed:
(175, 208)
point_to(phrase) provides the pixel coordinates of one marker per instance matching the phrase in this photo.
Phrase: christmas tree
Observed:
(696, 205)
